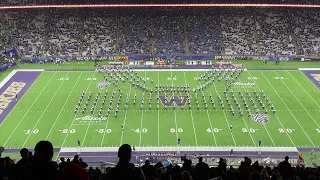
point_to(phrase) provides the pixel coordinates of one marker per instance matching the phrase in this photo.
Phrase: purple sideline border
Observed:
(27, 77)
(308, 74)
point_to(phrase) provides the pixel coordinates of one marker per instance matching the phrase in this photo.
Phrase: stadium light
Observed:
(159, 5)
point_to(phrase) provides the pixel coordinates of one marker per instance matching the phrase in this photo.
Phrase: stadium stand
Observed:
(274, 32)
(238, 32)
(198, 32)
(203, 31)
(136, 33)
(169, 33)
(307, 31)
(100, 33)
(64, 33)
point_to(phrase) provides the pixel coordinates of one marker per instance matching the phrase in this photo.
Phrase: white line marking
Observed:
(71, 92)
(52, 98)
(89, 124)
(125, 116)
(298, 100)
(28, 109)
(287, 108)
(247, 125)
(175, 115)
(304, 88)
(225, 117)
(75, 115)
(209, 119)
(194, 129)
(275, 115)
(145, 77)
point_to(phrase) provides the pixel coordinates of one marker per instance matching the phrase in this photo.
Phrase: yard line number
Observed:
(251, 130)
(31, 131)
(144, 130)
(214, 130)
(280, 78)
(63, 79)
(171, 78)
(104, 130)
(66, 131)
(287, 130)
(91, 79)
(173, 130)
(318, 130)
(252, 78)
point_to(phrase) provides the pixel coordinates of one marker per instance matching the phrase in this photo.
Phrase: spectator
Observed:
(284, 168)
(76, 160)
(42, 166)
(24, 153)
(202, 170)
(74, 172)
(124, 169)
(246, 169)
(62, 164)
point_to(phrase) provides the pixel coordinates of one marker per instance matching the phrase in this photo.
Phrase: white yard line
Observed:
(254, 143)
(263, 125)
(275, 114)
(44, 111)
(124, 121)
(298, 100)
(287, 108)
(28, 109)
(89, 124)
(304, 88)
(145, 77)
(225, 117)
(209, 119)
(62, 108)
(175, 114)
(75, 115)
(194, 129)
(158, 111)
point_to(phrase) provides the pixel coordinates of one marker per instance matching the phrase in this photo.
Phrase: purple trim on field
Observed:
(96, 158)
(308, 74)
(211, 153)
(27, 77)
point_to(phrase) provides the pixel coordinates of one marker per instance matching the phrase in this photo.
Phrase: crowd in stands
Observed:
(207, 42)
(40, 165)
(238, 32)
(274, 32)
(100, 32)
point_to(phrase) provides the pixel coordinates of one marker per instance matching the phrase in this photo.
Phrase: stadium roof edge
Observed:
(159, 5)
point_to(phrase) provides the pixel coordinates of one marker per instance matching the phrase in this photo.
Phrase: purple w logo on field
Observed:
(178, 101)
(260, 118)
(103, 84)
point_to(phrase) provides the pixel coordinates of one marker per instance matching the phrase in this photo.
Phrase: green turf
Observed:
(46, 111)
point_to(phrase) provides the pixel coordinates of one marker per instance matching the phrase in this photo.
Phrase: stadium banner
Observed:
(8, 66)
(153, 58)
(12, 53)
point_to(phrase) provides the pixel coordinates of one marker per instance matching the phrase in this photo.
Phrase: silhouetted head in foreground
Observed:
(43, 151)
(124, 153)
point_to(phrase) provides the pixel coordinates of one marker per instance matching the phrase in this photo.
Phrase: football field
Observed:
(46, 110)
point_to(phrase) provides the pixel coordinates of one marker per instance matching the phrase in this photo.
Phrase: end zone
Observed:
(13, 87)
